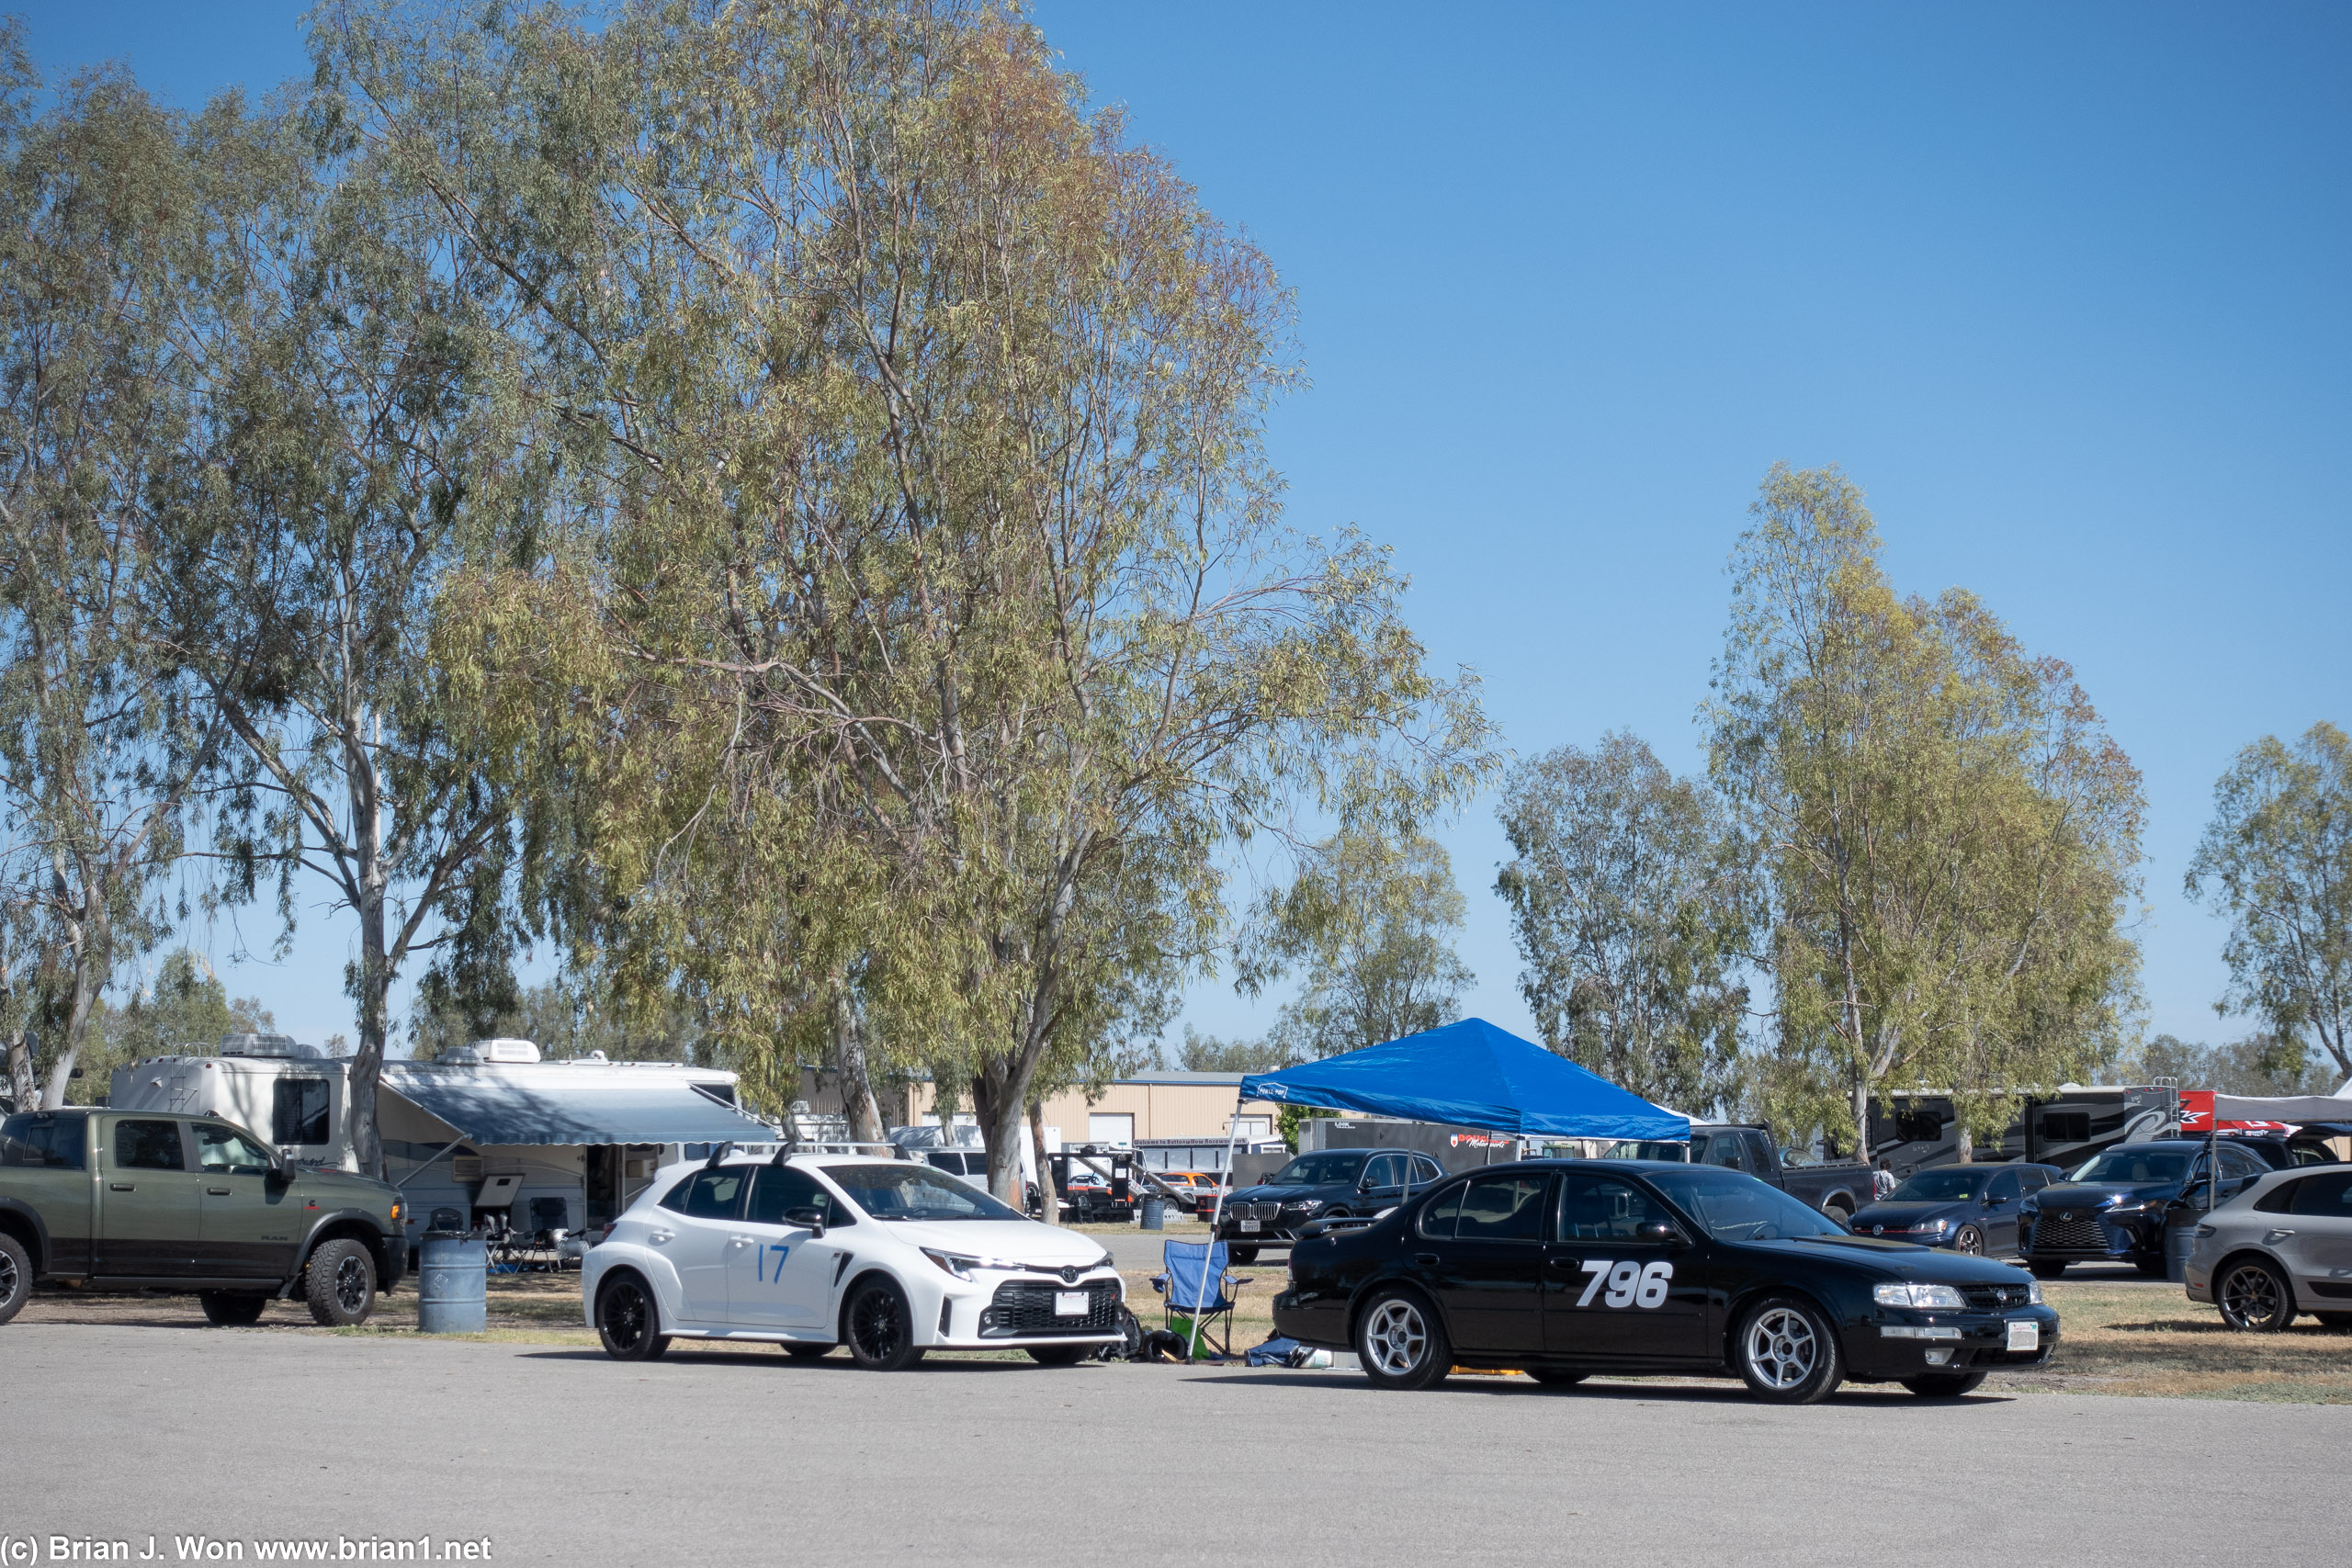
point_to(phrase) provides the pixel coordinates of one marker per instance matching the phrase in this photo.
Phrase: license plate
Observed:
(1249, 1227)
(1070, 1304)
(2025, 1337)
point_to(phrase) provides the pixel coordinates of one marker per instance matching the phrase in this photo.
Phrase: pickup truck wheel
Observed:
(16, 1277)
(340, 1284)
(1944, 1385)
(1242, 1254)
(1839, 1212)
(1401, 1343)
(1787, 1352)
(231, 1309)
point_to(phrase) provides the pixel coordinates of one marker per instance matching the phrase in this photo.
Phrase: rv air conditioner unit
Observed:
(505, 1051)
(278, 1045)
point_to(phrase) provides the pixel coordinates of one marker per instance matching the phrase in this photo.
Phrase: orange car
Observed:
(1199, 1185)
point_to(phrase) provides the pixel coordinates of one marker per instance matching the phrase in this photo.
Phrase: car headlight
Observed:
(2033, 1293)
(1936, 1228)
(1916, 1296)
(1305, 1205)
(956, 1263)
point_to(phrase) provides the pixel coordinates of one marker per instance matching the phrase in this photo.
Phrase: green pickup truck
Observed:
(147, 1201)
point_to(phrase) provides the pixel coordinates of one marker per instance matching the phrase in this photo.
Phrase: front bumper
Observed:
(2094, 1238)
(1928, 1342)
(996, 1311)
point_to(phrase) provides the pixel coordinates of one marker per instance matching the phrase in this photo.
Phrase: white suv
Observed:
(890, 1258)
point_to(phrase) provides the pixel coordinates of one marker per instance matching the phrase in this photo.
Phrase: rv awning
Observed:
(498, 1109)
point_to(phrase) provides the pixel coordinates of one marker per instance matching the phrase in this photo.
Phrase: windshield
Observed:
(909, 1191)
(2133, 1165)
(1733, 1207)
(1941, 1186)
(1317, 1171)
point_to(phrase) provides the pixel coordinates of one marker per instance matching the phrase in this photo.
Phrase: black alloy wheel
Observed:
(2253, 1297)
(1970, 1239)
(1401, 1342)
(1944, 1385)
(231, 1309)
(16, 1277)
(627, 1321)
(2046, 1267)
(1060, 1354)
(1555, 1377)
(340, 1284)
(1787, 1352)
(881, 1331)
(806, 1352)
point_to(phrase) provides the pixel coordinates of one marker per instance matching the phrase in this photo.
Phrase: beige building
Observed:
(1152, 1106)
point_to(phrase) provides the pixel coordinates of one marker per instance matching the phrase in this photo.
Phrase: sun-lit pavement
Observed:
(560, 1455)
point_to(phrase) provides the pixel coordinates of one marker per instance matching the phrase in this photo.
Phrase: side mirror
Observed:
(813, 1219)
(1659, 1233)
(280, 1175)
(1994, 1200)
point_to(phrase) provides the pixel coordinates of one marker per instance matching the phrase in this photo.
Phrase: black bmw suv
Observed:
(1331, 1185)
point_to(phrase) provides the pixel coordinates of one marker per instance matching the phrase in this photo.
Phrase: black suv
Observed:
(2114, 1206)
(1331, 1185)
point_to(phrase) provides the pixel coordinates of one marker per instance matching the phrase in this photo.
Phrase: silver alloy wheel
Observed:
(11, 1281)
(2250, 1296)
(351, 1282)
(1781, 1347)
(1397, 1337)
(1970, 1239)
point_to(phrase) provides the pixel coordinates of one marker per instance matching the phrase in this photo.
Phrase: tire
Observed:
(880, 1328)
(340, 1284)
(231, 1309)
(807, 1353)
(1970, 1239)
(628, 1321)
(2253, 1297)
(1553, 1377)
(1787, 1352)
(2046, 1267)
(16, 1277)
(1244, 1255)
(1060, 1354)
(1944, 1385)
(1839, 1212)
(1402, 1343)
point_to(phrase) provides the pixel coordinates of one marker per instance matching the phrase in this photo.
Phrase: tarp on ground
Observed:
(1472, 1075)
(499, 1108)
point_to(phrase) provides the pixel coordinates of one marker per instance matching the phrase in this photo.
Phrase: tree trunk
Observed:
(92, 945)
(1966, 1143)
(23, 1090)
(374, 981)
(1049, 1212)
(848, 1065)
(1861, 1095)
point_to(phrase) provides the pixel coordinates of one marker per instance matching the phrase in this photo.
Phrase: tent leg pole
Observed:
(1216, 1213)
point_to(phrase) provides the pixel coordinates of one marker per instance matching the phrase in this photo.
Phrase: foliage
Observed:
(1207, 1054)
(183, 1009)
(1948, 838)
(2258, 1064)
(1371, 921)
(2277, 859)
(1629, 905)
(565, 1019)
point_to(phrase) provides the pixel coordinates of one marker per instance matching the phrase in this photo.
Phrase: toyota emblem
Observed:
(1069, 1275)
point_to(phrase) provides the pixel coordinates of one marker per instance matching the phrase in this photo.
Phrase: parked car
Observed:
(1325, 1185)
(889, 1258)
(1968, 1207)
(153, 1201)
(2282, 1151)
(2282, 1245)
(1566, 1269)
(1198, 1186)
(2114, 1206)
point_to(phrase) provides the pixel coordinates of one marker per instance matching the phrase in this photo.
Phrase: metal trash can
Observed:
(452, 1282)
(2180, 1241)
(1155, 1212)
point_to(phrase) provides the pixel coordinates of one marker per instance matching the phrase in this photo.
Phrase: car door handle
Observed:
(1426, 1259)
(2277, 1235)
(217, 1192)
(739, 1241)
(121, 1186)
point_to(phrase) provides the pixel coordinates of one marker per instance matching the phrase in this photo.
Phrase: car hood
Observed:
(342, 1190)
(2070, 1196)
(1909, 1213)
(1275, 1194)
(1009, 1241)
(1901, 1259)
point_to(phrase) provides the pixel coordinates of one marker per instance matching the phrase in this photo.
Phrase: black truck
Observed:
(1837, 1188)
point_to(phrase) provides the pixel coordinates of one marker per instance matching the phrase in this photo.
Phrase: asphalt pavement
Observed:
(552, 1454)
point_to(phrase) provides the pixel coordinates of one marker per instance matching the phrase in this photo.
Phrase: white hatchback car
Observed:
(889, 1258)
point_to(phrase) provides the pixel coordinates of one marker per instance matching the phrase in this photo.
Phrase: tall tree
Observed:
(2276, 858)
(1370, 923)
(101, 744)
(921, 503)
(1949, 838)
(1630, 907)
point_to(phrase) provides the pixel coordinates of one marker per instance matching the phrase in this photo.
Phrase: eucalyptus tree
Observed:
(103, 740)
(2276, 859)
(1949, 839)
(1632, 909)
(944, 608)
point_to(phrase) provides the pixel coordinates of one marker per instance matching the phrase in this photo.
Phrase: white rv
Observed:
(488, 1132)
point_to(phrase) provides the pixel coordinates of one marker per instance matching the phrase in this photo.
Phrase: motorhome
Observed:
(1913, 1129)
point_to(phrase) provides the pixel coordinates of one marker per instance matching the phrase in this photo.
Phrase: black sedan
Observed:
(1968, 1207)
(1333, 1184)
(2114, 1207)
(1569, 1268)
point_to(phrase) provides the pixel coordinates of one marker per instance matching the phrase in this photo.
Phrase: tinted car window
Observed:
(1723, 1149)
(226, 1149)
(1502, 1208)
(2003, 1185)
(2134, 1165)
(1943, 1185)
(2235, 1161)
(781, 1187)
(42, 1142)
(1425, 1169)
(1731, 1207)
(2329, 1195)
(1439, 1215)
(1602, 1208)
(708, 1194)
(1317, 1171)
(297, 1112)
(2035, 1181)
(147, 1146)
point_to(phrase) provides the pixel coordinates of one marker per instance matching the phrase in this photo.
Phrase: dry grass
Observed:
(2151, 1340)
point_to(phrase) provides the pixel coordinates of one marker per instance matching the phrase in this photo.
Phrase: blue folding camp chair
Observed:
(1200, 1295)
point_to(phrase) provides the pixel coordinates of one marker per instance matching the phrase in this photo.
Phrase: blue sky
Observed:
(2063, 288)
